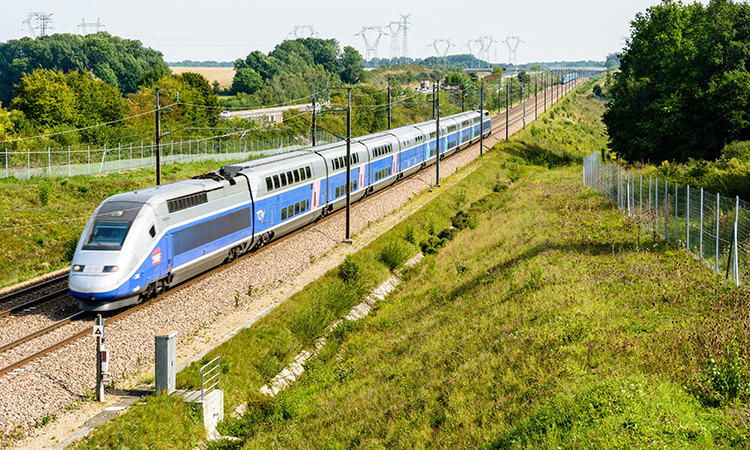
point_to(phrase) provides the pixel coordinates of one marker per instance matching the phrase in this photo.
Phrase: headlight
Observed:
(78, 268)
(108, 269)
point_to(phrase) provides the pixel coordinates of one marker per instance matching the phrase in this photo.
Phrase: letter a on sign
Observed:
(99, 330)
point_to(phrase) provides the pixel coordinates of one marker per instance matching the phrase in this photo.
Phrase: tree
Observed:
(683, 90)
(350, 65)
(119, 62)
(46, 100)
(246, 80)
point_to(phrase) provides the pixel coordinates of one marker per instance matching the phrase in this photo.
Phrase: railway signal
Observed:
(102, 358)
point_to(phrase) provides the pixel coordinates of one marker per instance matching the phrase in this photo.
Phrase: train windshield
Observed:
(107, 236)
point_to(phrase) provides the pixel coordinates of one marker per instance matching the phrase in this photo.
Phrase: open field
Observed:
(223, 75)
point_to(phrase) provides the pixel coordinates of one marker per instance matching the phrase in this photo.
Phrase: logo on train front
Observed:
(156, 256)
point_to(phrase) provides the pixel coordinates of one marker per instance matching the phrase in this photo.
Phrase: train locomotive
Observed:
(138, 244)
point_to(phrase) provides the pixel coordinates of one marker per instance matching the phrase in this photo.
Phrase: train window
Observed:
(107, 236)
(276, 183)
(302, 174)
(307, 204)
(152, 231)
(302, 206)
(289, 177)
(269, 184)
(290, 210)
(307, 170)
(337, 191)
(296, 208)
(296, 175)
(342, 161)
(335, 164)
(283, 214)
(283, 179)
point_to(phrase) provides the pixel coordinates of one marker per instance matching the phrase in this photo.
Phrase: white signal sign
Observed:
(98, 330)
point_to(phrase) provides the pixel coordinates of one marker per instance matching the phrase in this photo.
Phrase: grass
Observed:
(560, 330)
(163, 422)
(544, 320)
(41, 220)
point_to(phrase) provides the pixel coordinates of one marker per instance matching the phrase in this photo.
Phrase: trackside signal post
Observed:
(102, 358)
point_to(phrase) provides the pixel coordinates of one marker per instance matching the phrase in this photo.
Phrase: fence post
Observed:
(656, 206)
(69, 160)
(687, 213)
(676, 241)
(666, 210)
(131, 156)
(718, 207)
(119, 156)
(650, 208)
(701, 240)
(640, 200)
(6, 162)
(736, 243)
(28, 163)
(89, 158)
(49, 162)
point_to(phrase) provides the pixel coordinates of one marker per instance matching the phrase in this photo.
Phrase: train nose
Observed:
(100, 287)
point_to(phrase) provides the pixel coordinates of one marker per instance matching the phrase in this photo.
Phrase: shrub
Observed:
(44, 192)
(726, 380)
(460, 220)
(431, 245)
(393, 254)
(349, 270)
(736, 149)
(448, 234)
(410, 235)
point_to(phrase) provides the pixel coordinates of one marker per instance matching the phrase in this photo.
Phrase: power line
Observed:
(96, 25)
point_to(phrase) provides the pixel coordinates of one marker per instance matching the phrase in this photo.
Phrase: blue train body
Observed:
(138, 244)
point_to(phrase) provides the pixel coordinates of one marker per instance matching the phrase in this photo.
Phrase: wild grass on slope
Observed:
(554, 323)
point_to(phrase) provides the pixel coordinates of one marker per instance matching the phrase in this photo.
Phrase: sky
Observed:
(549, 30)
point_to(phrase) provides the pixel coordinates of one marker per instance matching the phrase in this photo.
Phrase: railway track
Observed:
(33, 295)
(78, 324)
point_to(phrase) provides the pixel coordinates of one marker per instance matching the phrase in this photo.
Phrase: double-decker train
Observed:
(138, 244)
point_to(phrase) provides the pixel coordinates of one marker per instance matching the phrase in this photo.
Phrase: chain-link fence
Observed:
(715, 229)
(70, 161)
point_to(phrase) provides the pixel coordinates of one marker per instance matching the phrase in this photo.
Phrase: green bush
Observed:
(737, 149)
(431, 245)
(349, 270)
(393, 254)
(410, 235)
(727, 380)
(44, 193)
(448, 234)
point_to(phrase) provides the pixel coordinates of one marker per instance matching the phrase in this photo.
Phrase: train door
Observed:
(167, 254)
(315, 193)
